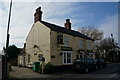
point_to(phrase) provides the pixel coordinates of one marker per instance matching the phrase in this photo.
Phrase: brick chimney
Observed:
(38, 15)
(68, 24)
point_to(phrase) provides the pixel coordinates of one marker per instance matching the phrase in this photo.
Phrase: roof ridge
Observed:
(64, 30)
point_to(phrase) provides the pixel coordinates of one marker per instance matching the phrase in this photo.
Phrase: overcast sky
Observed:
(103, 15)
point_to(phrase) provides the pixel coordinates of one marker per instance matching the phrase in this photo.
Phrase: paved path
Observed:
(21, 72)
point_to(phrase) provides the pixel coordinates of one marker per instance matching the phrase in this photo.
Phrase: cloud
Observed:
(110, 26)
(22, 18)
(61, 0)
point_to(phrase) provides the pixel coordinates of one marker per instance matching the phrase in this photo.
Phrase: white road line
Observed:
(113, 75)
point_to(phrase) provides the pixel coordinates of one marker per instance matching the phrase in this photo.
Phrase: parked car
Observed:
(101, 63)
(84, 65)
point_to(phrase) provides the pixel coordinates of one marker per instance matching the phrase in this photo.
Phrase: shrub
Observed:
(49, 68)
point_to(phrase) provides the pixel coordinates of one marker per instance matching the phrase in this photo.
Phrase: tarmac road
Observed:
(112, 72)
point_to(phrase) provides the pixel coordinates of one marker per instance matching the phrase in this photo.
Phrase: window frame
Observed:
(80, 43)
(88, 44)
(66, 40)
(65, 57)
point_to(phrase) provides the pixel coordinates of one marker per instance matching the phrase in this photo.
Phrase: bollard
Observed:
(43, 65)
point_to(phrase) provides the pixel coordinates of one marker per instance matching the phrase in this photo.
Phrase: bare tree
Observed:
(108, 45)
(92, 32)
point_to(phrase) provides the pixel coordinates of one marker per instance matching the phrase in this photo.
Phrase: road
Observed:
(112, 72)
(109, 73)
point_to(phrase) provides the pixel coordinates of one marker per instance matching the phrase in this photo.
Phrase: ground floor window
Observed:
(90, 55)
(67, 58)
(81, 55)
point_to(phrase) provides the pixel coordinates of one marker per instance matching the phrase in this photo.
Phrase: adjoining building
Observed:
(58, 45)
(21, 56)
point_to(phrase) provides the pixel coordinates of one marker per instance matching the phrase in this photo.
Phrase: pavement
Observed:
(21, 72)
(112, 72)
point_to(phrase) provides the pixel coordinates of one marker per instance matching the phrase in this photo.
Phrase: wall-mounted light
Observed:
(35, 46)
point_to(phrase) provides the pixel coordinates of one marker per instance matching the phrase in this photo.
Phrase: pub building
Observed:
(58, 45)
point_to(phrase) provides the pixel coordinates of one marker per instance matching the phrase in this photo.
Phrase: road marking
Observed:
(113, 75)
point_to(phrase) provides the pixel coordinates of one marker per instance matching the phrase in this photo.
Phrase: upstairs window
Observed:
(80, 43)
(89, 45)
(66, 41)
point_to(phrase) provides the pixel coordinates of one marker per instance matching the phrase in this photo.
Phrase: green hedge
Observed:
(49, 68)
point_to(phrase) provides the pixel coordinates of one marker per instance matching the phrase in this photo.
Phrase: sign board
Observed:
(40, 56)
(90, 51)
(81, 51)
(66, 48)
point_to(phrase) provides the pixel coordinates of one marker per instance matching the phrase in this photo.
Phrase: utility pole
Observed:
(5, 62)
(8, 35)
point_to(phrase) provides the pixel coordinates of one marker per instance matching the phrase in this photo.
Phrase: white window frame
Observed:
(91, 55)
(80, 55)
(66, 40)
(65, 53)
(80, 43)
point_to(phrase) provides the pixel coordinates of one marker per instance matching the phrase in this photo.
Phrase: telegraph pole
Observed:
(8, 35)
(5, 65)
